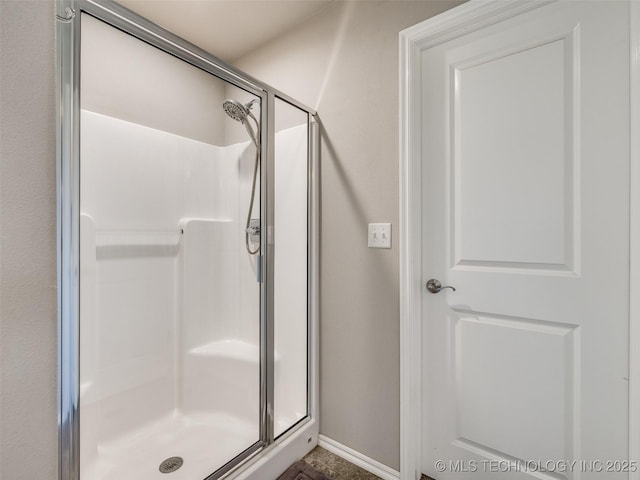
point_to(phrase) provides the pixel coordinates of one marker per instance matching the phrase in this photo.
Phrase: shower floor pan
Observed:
(213, 425)
(204, 442)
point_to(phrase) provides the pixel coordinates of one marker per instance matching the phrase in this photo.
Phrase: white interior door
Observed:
(525, 161)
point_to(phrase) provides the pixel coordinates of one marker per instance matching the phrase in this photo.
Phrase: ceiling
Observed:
(228, 29)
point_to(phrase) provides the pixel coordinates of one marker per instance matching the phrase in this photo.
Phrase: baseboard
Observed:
(358, 459)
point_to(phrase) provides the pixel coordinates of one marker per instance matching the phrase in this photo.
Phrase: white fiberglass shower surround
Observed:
(187, 259)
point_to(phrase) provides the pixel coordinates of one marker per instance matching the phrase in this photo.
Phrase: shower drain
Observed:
(171, 464)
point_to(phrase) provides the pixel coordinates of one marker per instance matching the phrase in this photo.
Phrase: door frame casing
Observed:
(472, 16)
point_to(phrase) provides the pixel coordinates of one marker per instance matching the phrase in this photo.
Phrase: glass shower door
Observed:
(291, 272)
(170, 331)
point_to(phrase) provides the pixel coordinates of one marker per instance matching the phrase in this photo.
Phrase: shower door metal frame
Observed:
(68, 40)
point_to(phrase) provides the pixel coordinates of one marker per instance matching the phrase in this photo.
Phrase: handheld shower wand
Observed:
(241, 113)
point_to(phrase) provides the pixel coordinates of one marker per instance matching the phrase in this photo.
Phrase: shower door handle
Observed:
(434, 286)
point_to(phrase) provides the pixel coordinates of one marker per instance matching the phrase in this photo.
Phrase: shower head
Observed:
(235, 110)
(240, 113)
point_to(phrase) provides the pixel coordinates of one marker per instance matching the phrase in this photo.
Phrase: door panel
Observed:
(526, 211)
(522, 221)
(497, 398)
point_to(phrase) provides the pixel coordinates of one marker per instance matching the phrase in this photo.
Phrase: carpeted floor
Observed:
(335, 467)
(320, 464)
(301, 470)
(326, 466)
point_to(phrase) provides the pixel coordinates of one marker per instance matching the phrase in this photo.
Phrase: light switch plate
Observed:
(379, 235)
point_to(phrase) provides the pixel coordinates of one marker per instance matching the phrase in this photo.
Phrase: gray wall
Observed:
(28, 325)
(345, 63)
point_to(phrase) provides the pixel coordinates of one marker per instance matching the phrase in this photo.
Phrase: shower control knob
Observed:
(434, 286)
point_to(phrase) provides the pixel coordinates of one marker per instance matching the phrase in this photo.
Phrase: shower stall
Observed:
(187, 258)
